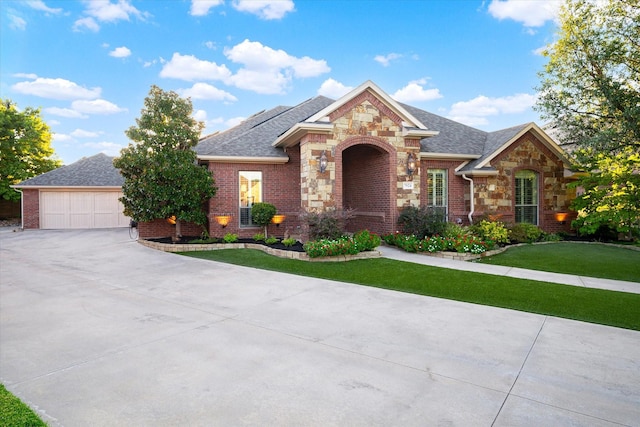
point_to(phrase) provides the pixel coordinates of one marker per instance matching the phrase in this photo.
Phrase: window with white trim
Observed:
(250, 193)
(526, 195)
(437, 190)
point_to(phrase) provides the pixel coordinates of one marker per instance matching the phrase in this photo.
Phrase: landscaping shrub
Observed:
(452, 230)
(331, 247)
(262, 214)
(423, 221)
(462, 243)
(258, 237)
(366, 241)
(326, 225)
(523, 232)
(289, 242)
(491, 231)
(230, 238)
(271, 240)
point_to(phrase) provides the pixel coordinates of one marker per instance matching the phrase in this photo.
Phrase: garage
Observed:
(81, 209)
(82, 195)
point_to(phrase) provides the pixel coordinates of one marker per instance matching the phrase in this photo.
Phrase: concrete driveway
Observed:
(97, 330)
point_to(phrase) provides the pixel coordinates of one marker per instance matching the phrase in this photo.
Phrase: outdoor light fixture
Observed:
(223, 220)
(277, 219)
(172, 220)
(323, 162)
(411, 164)
(561, 217)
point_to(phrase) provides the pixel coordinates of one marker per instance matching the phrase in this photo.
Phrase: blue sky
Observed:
(89, 64)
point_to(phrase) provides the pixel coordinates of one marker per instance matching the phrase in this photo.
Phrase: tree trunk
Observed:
(178, 234)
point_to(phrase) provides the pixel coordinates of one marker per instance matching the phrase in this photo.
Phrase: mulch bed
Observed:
(297, 247)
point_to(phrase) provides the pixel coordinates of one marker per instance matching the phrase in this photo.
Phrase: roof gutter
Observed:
(239, 159)
(471, 198)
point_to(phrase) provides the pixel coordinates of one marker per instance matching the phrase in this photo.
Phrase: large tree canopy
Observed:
(590, 86)
(25, 147)
(162, 176)
(590, 92)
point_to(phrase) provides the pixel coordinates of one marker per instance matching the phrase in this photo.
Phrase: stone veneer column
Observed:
(317, 189)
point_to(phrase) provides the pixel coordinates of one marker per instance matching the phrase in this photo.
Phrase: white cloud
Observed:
(190, 68)
(201, 7)
(65, 112)
(269, 71)
(17, 23)
(108, 148)
(540, 51)
(532, 13)
(333, 89)
(80, 133)
(56, 89)
(61, 137)
(415, 92)
(120, 52)
(88, 23)
(386, 59)
(265, 9)
(210, 45)
(207, 91)
(105, 11)
(30, 76)
(96, 106)
(234, 121)
(39, 5)
(475, 111)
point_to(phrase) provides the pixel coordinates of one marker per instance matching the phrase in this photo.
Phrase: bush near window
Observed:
(423, 221)
(523, 232)
(230, 238)
(494, 231)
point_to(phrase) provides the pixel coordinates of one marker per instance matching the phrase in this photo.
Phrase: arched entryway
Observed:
(368, 185)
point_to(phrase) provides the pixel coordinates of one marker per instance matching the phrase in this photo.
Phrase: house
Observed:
(83, 194)
(368, 152)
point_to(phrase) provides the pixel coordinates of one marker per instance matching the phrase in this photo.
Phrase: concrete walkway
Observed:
(521, 273)
(97, 330)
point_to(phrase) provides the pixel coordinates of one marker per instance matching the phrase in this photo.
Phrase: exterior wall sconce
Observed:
(278, 219)
(561, 217)
(172, 220)
(411, 164)
(223, 220)
(323, 162)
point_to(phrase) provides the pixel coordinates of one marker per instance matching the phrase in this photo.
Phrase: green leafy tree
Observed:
(25, 147)
(162, 176)
(262, 214)
(590, 87)
(611, 195)
(590, 92)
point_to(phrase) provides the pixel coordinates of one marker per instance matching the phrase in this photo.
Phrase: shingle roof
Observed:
(254, 136)
(94, 171)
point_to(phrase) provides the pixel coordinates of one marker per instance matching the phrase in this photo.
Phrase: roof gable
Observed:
(94, 171)
(409, 120)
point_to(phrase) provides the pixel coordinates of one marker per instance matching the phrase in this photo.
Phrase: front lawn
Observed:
(14, 413)
(611, 308)
(582, 259)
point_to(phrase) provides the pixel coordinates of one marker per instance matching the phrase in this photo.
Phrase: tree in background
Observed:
(162, 176)
(25, 147)
(590, 92)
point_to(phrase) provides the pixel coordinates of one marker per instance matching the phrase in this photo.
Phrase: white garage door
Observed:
(81, 209)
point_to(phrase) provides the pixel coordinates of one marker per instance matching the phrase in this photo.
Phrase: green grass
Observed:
(14, 413)
(611, 308)
(592, 260)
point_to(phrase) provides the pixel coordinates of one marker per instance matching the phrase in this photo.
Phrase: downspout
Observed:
(472, 210)
(21, 207)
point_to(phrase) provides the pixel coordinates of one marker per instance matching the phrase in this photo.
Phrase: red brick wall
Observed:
(31, 208)
(162, 228)
(364, 190)
(280, 187)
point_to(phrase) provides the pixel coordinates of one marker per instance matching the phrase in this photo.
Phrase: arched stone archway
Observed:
(366, 167)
